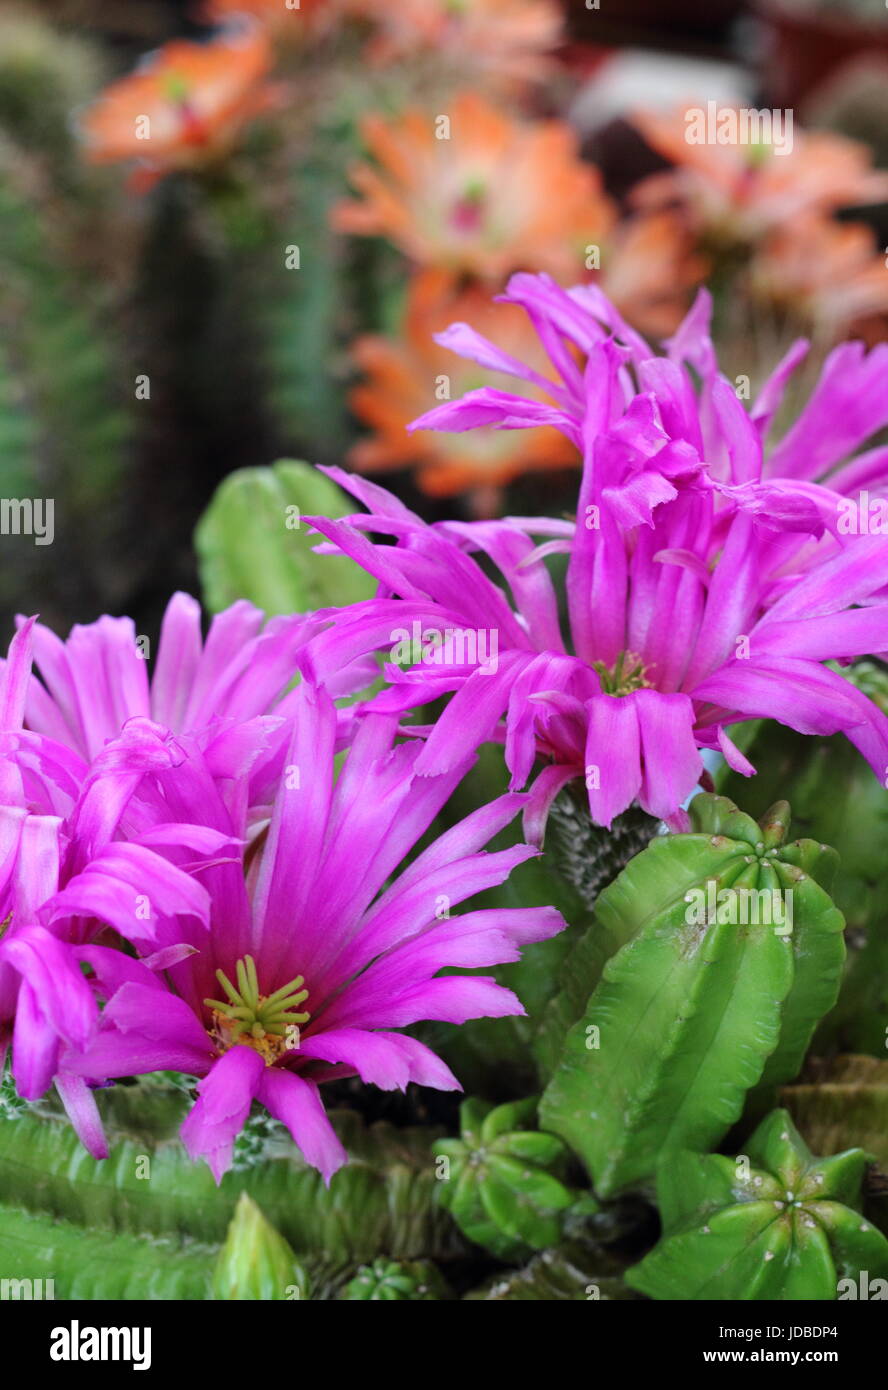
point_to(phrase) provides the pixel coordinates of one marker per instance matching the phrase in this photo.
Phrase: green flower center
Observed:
(627, 674)
(264, 1022)
(758, 153)
(176, 87)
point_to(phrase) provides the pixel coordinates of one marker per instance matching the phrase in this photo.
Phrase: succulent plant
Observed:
(498, 1180)
(834, 796)
(262, 508)
(147, 1222)
(389, 1281)
(772, 1223)
(256, 1262)
(586, 854)
(569, 1273)
(725, 952)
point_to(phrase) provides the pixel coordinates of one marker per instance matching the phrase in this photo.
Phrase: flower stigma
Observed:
(628, 673)
(261, 1021)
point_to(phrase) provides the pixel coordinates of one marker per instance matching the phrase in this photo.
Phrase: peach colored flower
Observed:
(484, 197)
(507, 40)
(652, 270)
(404, 377)
(184, 106)
(828, 275)
(740, 191)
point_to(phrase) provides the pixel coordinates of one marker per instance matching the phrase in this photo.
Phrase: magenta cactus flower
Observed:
(91, 684)
(61, 828)
(699, 592)
(672, 420)
(312, 958)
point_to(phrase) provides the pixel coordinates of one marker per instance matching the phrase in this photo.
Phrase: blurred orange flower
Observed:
(404, 377)
(827, 274)
(184, 106)
(477, 193)
(507, 39)
(740, 191)
(652, 270)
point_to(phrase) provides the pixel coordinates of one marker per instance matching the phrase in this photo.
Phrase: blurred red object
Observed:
(583, 60)
(803, 48)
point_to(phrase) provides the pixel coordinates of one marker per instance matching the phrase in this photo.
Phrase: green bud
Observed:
(256, 1263)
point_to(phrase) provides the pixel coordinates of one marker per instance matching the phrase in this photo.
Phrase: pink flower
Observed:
(704, 586)
(312, 958)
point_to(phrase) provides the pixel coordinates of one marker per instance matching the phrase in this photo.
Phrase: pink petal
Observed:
(226, 1094)
(297, 1104)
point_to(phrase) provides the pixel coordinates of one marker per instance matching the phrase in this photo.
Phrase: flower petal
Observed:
(297, 1104)
(218, 1116)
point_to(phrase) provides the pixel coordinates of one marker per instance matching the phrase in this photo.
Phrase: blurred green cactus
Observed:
(390, 1281)
(63, 415)
(45, 76)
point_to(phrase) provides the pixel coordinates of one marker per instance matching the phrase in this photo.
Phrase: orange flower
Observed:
(184, 106)
(287, 19)
(740, 191)
(651, 271)
(405, 377)
(477, 193)
(505, 39)
(828, 275)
